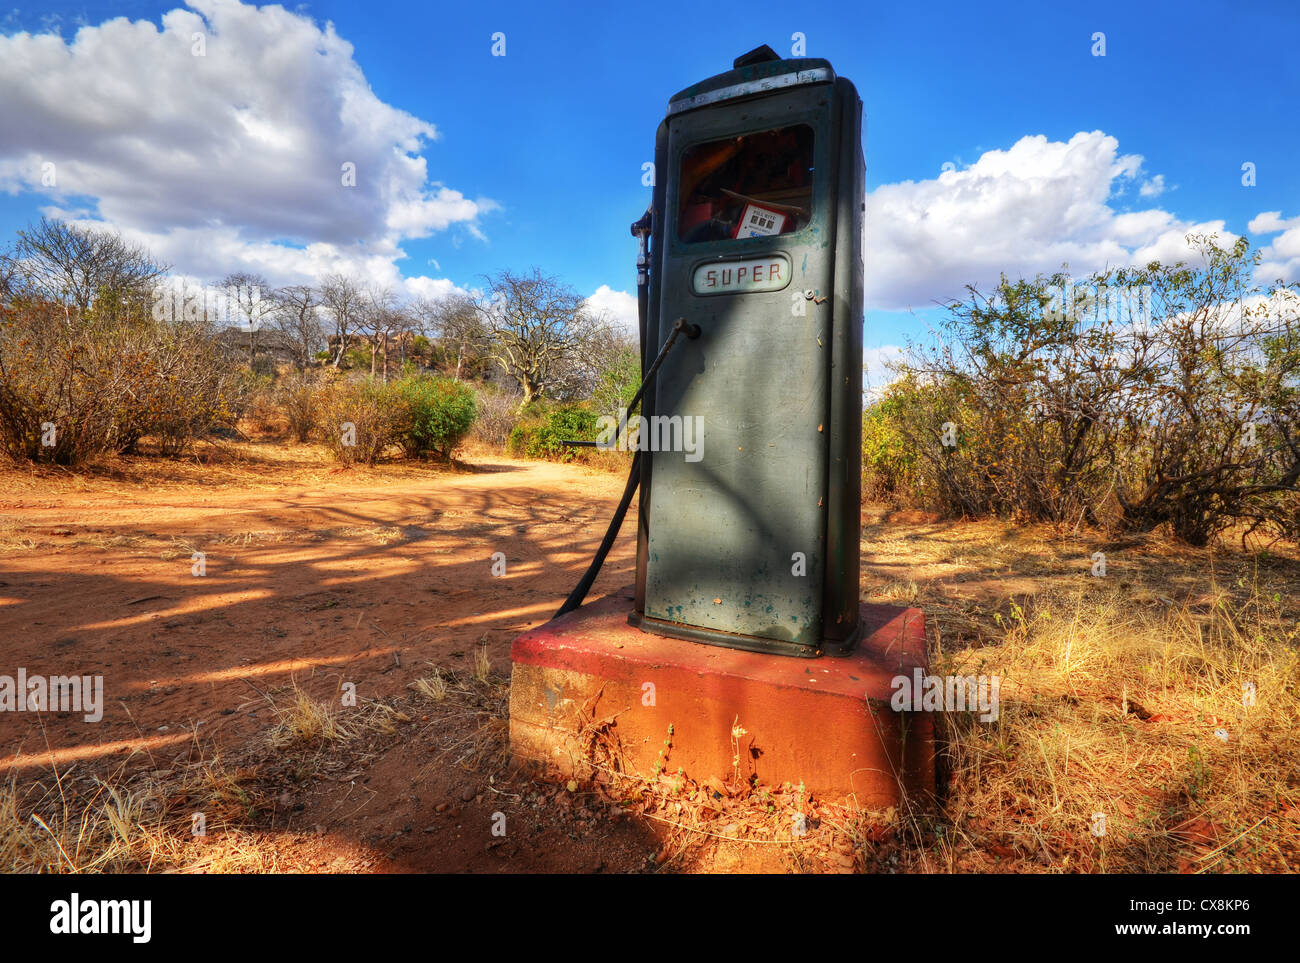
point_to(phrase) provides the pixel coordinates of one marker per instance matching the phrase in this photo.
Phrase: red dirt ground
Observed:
(318, 576)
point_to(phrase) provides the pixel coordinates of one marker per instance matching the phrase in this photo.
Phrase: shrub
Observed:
(357, 421)
(93, 382)
(888, 462)
(1172, 408)
(435, 414)
(541, 437)
(497, 415)
(299, 399)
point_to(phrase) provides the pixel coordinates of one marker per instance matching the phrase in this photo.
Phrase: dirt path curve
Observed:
(307, 573)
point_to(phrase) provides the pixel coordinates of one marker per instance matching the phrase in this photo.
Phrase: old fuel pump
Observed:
(748, 461)
(748, 527)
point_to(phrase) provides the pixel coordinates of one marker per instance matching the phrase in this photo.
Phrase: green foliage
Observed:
(356, 359)
(888, 462)
(541, 435)
(618, 382)
(435, 414)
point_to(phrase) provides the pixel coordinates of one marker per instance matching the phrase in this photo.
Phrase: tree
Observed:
(458, 326)
(255, 302)
(603, 364)
(620, 376)
(343, 302)
(381, 319)
(297, 316)
(537, 324)
(61, 263)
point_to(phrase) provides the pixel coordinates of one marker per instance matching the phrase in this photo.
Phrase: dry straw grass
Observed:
(143, 820)
(1177, 722)
(138, 823)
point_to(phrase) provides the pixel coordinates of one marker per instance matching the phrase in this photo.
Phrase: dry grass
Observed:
(1178, 725)
(1121, 695)
(145, 820)
(139, 822)
(302, 722)
(482, 664)
(433, 687)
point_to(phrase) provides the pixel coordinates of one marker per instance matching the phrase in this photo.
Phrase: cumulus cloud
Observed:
(232, 159)
(618, 306)
(1154, 187)
(1281, 256)
(1032, 207)
(876, 375)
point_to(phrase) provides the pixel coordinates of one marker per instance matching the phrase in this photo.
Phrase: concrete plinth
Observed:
(825, 722)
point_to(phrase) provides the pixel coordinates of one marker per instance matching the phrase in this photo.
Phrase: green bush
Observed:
(435, 414)
(888, 461)
(541, 437)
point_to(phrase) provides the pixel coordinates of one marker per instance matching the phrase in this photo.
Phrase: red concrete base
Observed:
(825, 722)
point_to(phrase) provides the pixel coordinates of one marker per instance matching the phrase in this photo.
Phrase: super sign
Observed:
(770, 273)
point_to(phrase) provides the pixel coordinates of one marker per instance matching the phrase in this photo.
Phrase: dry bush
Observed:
(261, 413)
(1174, 405)
(88, 362)
(357, 421)
(299, 399)
(498, 413)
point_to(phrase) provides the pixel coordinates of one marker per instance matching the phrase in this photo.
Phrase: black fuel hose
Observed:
(579, 593)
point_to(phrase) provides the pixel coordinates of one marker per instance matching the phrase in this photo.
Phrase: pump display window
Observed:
(754, 185)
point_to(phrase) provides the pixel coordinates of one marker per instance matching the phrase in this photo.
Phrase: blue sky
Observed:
(1056, 153)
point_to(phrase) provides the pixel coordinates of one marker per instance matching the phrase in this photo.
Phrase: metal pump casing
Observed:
(776, 374)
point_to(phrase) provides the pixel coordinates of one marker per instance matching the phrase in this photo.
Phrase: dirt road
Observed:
(186, 590)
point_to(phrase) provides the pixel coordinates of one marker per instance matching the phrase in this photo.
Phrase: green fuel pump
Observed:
(751, 472)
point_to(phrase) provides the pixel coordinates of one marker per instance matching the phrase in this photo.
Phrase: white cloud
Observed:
(1270, 222)
(435, 289)
(231, 160)
(618, 306)
(1154, 187)
(1033, 207)
(1281, 256)
(876, 375)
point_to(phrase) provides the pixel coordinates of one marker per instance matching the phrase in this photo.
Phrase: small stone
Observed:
(467, 794)
(440, 808)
